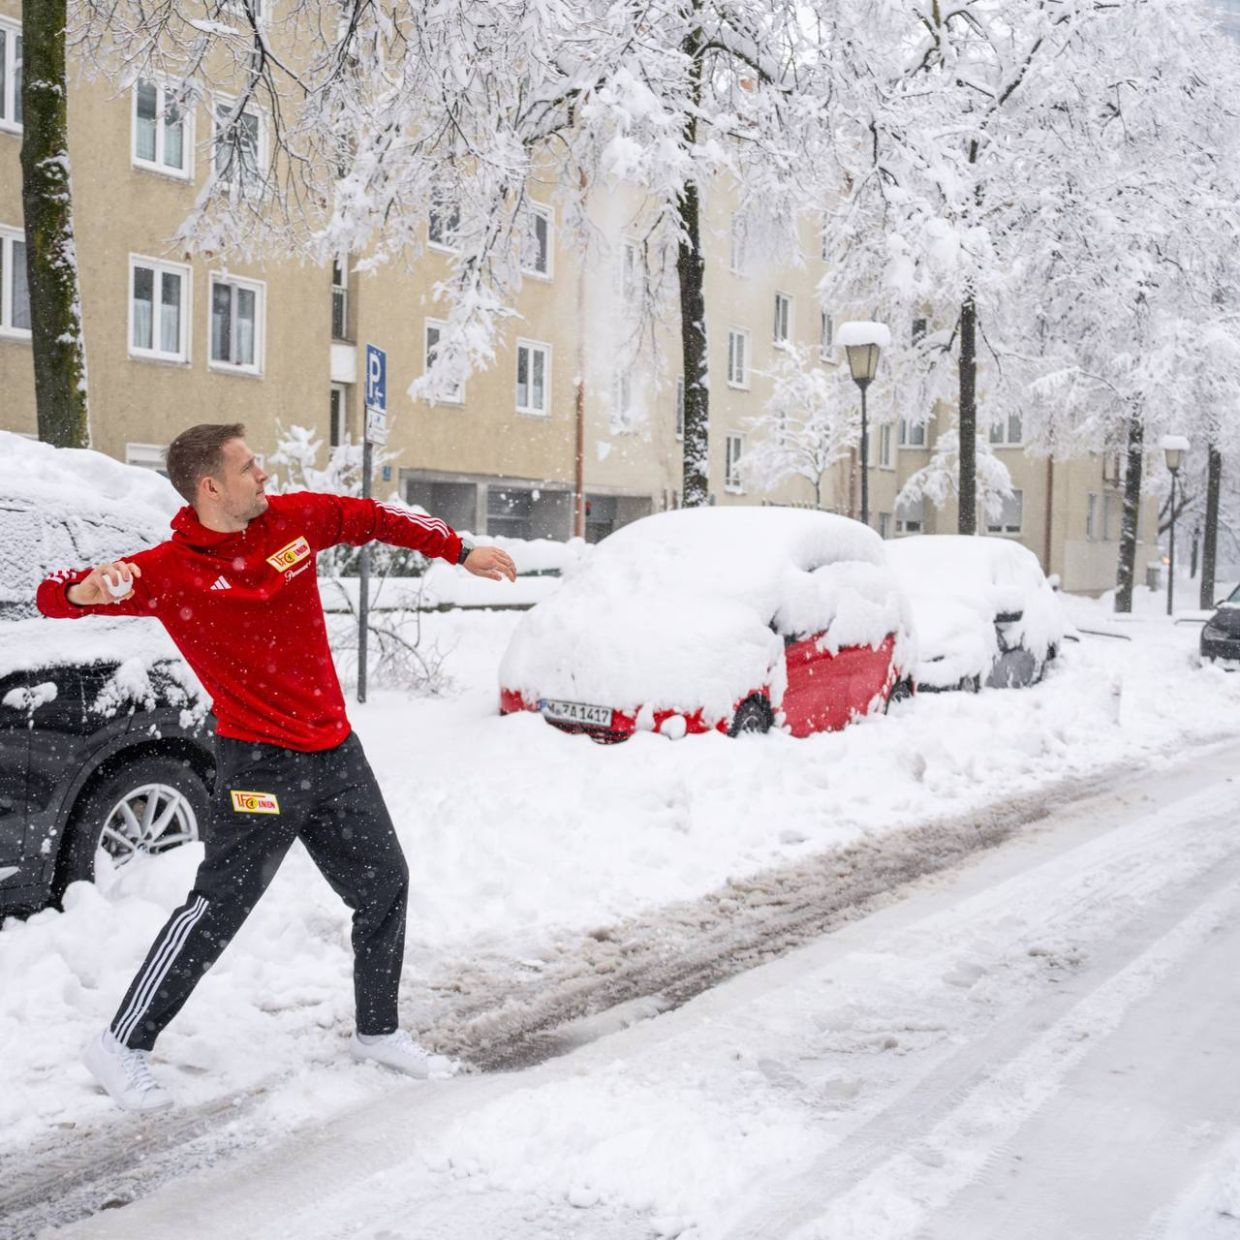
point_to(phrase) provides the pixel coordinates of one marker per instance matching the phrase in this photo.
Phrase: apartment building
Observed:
(174, 338)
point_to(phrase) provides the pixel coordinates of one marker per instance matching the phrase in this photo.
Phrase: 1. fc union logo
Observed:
(254, 802)
(286, 557)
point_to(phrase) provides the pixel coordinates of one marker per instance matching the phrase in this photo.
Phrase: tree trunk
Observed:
(1209, 550)
(1125, 572)
(57, 342)
(968, 417)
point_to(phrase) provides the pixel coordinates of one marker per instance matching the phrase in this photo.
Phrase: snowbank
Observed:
(689, 609)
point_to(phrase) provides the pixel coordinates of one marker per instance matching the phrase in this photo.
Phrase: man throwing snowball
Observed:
(235, 587)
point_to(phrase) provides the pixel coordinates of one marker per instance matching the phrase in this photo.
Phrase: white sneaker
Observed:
(125, 1074)
(398, 1050)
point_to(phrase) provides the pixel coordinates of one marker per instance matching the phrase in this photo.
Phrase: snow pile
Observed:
(689, 609)
(957, 586)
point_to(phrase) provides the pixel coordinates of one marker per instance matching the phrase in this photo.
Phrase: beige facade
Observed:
(173, 339)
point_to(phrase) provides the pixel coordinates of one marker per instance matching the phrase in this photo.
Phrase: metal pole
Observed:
(865, 462)
(1171, 557)
(363, 582)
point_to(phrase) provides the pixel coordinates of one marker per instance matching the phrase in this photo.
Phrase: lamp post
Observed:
(863, 342)
(1174, 447)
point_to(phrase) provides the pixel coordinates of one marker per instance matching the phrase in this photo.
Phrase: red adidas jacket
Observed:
(244, 608)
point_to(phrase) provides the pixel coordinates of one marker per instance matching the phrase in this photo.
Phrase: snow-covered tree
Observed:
(810, 422)
(939, 481)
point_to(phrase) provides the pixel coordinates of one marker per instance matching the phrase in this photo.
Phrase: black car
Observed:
(105, 744)
(1220, 638)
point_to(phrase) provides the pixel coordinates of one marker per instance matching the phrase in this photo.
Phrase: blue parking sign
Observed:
(376, 378)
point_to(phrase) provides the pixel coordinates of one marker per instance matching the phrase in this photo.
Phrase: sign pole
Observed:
(374, 431)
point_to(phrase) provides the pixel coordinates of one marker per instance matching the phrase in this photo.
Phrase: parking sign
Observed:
(376, 378)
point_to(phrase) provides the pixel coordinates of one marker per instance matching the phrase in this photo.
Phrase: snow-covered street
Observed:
(1019, 1023)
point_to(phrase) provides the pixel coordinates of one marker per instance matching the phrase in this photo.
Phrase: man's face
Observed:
(239, 487)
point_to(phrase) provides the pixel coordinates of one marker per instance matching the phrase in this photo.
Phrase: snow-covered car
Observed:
(1220, 636)
(728, 619)
(984, 612)
(105, 752)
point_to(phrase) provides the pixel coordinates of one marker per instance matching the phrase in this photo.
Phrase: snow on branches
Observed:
(939, 481)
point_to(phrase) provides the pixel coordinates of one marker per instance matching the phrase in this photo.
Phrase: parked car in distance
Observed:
(715, 619)
(105, 749)
(984, 612)
(1220, 636)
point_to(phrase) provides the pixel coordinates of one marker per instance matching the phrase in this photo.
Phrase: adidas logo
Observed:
(221, 583)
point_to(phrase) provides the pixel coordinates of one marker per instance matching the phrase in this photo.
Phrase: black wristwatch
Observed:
(466, 548)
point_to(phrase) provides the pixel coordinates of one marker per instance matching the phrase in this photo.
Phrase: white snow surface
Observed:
(956, 586)
(862, 331)
(688, 609)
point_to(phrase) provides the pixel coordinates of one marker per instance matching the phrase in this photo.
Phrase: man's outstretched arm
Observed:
(115, 588)
(334, 519)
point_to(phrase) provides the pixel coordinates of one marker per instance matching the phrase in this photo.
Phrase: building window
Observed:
(340, 299)
(622, 397)
(680, 407)
(162, 140)
(911, 518)
(147, 456)
(238, 145)
(884, 446)
(434, 334)
(912, 434)
(14, 292)
(884, 525)
(1113, 469)
(826, 335)
(919, 330)
(510, 512)
(158, 309)
(537, 257)
(783, 318)
(337, 429)
(734, 446)
(244, 8)
(533, 377)
(1093, 517)
(738, 358)
(1112, 516)
(736, 258)
(10, 76)
(630, 272)
(1011, 519)
(237, 324)
(443, 222)
(1008, 433)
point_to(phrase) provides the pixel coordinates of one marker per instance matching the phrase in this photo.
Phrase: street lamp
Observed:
(1174, 447)
(863, 342)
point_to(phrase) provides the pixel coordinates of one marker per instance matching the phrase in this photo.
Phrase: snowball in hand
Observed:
(120, 587)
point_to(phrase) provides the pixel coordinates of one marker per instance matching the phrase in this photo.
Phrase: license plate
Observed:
(577, 712)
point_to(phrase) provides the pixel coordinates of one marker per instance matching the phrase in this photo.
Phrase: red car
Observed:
(716, 619)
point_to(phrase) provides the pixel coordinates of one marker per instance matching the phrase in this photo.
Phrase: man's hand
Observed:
(491, 562)
(106, 584)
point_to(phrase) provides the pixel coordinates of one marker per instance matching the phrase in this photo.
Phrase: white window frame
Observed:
(7, 237)
(733, 452)
(438, 325)
(152, 456)
(738, 377)
(886, 446)
(162, 90)
(737, 244)
(1001, 432)
(915, 526)
(783, 318)
(259, 289)
(912, 435)
(539, 212)
(340, 292)
(261, 151)
(160, 267)
(444, 212)
(533, 346)
(1010, 531)
(826, 335)
(679, 424)
(12, 92)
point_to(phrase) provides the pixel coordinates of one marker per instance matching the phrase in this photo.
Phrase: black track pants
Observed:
(265, 798)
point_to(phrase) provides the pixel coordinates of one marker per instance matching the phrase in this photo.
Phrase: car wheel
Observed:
(144, 807)
(901, 691)
(753, 715)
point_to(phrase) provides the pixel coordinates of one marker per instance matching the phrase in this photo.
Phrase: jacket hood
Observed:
(187, 529)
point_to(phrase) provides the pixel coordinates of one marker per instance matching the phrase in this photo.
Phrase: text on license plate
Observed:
(577, 712)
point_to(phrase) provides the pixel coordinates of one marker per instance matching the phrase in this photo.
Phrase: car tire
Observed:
(753, 717)
(167, 803)
(901, 691)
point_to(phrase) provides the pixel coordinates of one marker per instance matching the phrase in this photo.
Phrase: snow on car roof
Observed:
(688, 609)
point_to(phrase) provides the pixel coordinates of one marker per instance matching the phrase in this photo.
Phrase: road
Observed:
(1039, 1041)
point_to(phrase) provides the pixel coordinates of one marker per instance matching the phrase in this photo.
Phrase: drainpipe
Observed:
(1050, 512)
